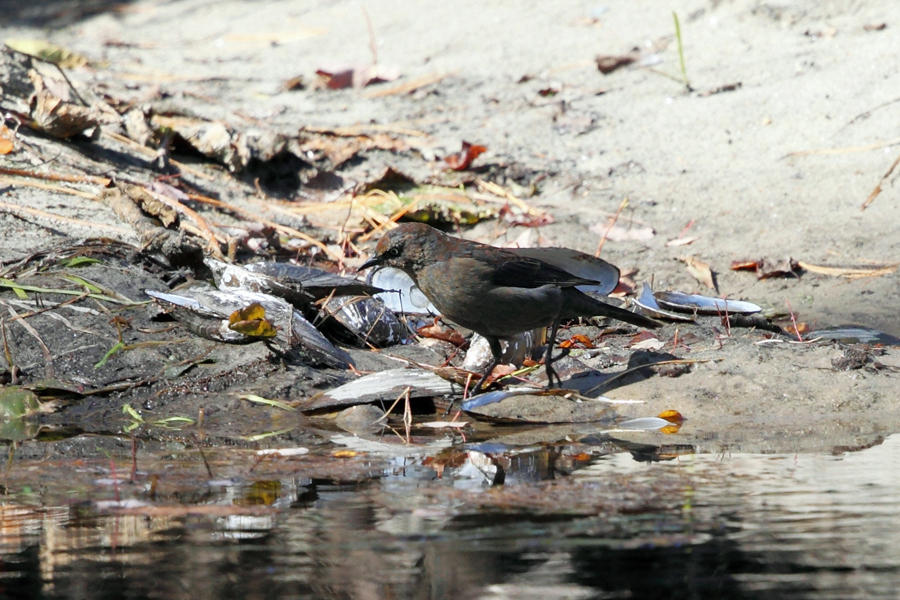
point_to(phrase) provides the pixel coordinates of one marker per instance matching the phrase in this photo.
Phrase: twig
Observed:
(50, 188)
(388, 411)
(407, 415)
(612, 223)
(793, 320)
(34, 212)
(877, 189)
(104, 181)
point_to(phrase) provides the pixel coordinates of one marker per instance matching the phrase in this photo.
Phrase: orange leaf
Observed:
(745, 265)
(461, 160)
(578, 339)
(6, 140)
(672, 416)
(344, 453)
(440, 332)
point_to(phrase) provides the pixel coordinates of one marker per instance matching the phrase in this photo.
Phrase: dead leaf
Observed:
(251, 320)
(339, 148)
(55, 115)
(606, 64)
(46, 51)
(700, 271)
(461, 160)
(294, 83)
(6, 140)
(645, 340)
(766, 270)
(499, 372)
(357, 77)
(441, 332)
(213, 139)
(577, 341)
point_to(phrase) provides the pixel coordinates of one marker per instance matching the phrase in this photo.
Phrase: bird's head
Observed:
(404, 247)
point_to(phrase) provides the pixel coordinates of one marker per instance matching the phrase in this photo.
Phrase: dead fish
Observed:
(319, 283)
(704, 305)
(207, 311)
(649, 305)
(230, 277)
(515, 349)
(367, 319)
(530, 406)
(400, 293)
(383, 386)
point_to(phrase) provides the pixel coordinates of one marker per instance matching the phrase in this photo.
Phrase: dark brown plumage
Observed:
(494, 291)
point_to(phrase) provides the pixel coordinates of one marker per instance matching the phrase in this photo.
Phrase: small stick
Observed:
(407, 415)
(877, 189)
(793, 320)
(612, 223)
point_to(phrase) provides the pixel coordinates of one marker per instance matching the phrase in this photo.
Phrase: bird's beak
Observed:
(372, 262)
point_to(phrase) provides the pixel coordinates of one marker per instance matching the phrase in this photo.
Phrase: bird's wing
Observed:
(603, 276)
(524, 272)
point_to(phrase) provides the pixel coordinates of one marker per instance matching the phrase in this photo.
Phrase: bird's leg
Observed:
(548, 357)
(496, 352)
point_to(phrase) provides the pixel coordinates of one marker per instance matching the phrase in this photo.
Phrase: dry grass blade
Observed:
(850, 272)
(877, 189)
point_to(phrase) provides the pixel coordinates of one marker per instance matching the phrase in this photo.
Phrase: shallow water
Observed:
(560, 526)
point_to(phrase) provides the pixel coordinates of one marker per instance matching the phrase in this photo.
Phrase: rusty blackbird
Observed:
(497, 292)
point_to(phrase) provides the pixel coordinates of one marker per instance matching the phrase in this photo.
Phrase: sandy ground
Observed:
(777, 167)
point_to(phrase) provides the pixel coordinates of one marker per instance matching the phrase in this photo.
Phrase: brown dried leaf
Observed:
(606, 64)
(461, 160)
(700, 271)
(56, 116)
(341, 78)
(441, 332)
(6, 140)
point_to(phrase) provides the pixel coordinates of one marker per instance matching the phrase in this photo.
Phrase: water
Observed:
(561, 526)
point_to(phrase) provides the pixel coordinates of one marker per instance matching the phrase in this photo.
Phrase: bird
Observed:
(498, 292)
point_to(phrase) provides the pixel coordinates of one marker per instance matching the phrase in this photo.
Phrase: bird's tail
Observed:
(584, 305)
